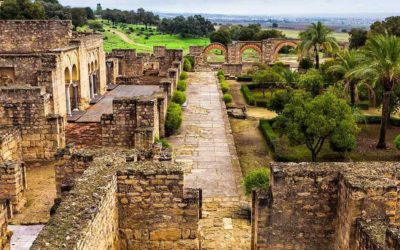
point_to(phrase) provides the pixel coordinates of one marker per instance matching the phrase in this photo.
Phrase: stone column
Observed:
(91, 86)
(68, 103)
(95, 83)
(76, 106)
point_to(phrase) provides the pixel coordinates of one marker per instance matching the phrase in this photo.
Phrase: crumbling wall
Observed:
(370, 234)
(155, 211)
(10, 144)
(134, 122)
(34, 35)
(5, 234)
(28, 108)
(129, 63)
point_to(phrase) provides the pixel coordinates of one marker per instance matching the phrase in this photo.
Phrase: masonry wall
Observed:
(129, 63)
(28, 107)
(5, 234)
(34, 35)
(155, 211)
(370, 234)
(134, 122)
(10, 144)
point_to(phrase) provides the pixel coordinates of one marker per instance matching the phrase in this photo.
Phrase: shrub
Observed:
(179, 97)
(363, 105)
(248, 95)
(269, 134)
(164, 142)
(278, 101)
(227, 98)
(220, 73)
(184, 76)
(187, 65)
(258, 178)
(182, 85)
(244, 78)
(174, 118)
(224, 87)
(397, 142)
(221, 78)
(312, 81)
(306, 63)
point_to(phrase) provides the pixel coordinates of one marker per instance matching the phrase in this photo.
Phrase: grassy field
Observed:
(341, 37)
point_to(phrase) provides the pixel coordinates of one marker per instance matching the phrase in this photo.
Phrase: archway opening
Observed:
(287, 54)
(68, 78)
(74, 89)
(251, 55)
(215, 56)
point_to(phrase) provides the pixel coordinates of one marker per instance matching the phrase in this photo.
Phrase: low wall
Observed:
(5, 234)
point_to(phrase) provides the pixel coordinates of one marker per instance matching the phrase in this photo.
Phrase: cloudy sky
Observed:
(246, 7)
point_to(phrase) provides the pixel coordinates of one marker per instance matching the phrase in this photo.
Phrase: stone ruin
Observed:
(117, 203)
(328, 206)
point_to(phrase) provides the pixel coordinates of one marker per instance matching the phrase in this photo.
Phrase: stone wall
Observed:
(34, 35)
(10, 144)
(316, 205)
(131, 118)
(232, 69)
(370, 234)
(5, 234)
(155, 211)
(129, 64)
(28, 107)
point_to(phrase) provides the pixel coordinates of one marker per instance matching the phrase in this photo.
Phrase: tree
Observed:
(312, 81)
(21, 9)
(317, 38)
(275, 25)
(266, 34)
(380, 64)
(95, 25)
(312, 122)
(267, 78)
(221, 36)
(358, 38)
(391, 26)
(99, 9)
(89, 13)
(279, 99)
(79, 17)
(54, 10)
(346, 63)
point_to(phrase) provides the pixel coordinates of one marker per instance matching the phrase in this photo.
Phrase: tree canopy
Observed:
(21, 9)
(192, 26)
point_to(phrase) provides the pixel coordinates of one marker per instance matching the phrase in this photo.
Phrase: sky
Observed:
(250, 7)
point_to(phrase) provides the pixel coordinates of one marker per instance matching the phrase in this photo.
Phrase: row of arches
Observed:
(248, 52)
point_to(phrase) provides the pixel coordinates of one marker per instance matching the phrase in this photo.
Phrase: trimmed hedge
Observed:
(363, 105)
(179, 97)
(227, 98)
(184, 76)
(182, 85)
(376, 119)
(248, 95)
(220, 73)
(244, 78)
(221, 78)
(258, 178)
(269, 134)
(174, 118)
(224, 87)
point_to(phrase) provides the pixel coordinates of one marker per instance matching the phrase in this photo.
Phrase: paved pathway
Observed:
(205, 144)
(24, 236)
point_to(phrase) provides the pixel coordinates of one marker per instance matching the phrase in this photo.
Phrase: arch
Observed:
(212, 46)
(252, 46)
(74, 73)
(279, 46)
(67, 76)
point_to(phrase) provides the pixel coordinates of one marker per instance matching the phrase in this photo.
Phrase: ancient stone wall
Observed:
(10, 144)
(232, 69)
(34, 35)
(5, 234)
(129, 64)
(316, 206)
(155, 211)
(28, 107)
(370, 234)
(131, 118)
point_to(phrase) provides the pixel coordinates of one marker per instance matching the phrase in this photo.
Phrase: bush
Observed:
(363, 105)
(187, 65)
(224, 87)
(182, 85)
(174, 118)
(244, 78)
(221, 78)
(184, 76)
(269, 134)
(397, 142)
(179, 97)
(164, 142)
(258, 178)
(220, 73)
(376, 119)
(306, 63)
(312, 81)
(278, 101)
(227, 98)
(248, 95)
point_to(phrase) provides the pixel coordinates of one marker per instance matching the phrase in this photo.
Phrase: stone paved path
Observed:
(205, 144)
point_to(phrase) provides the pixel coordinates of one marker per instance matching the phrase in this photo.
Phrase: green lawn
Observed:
(341, 37)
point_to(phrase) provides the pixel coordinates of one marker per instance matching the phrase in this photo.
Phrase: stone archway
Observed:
(213, 46)
(281, 45)
(252, 46)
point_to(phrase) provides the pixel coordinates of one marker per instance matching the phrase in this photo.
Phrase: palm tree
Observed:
(346, 62)
(315, 38)
(381, 65)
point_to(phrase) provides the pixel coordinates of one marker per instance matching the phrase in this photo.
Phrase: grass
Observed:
(341, 37)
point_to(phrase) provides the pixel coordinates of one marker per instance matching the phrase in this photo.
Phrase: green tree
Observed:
(358, 38)
(315, 39)
(266, 34)
(312, 122)
(21, 9)
(54, 10)
(267, 78)
(312, 81)
(380, 64)
(391, 26)
(95, 25)
(221, 36)
(346, 62)
(79, 17)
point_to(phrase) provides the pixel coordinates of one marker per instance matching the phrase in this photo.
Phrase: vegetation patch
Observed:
(174, 118)
(258, 178)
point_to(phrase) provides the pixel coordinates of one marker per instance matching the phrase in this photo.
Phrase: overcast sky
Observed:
(246, 7)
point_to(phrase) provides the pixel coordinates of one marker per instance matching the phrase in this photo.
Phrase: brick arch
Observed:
(212, 46)
(250, 46)
(279, 46)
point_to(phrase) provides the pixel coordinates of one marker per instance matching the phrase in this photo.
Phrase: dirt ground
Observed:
(250, 145)
(40, 195)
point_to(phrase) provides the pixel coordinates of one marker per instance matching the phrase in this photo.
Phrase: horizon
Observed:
(257, 8)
